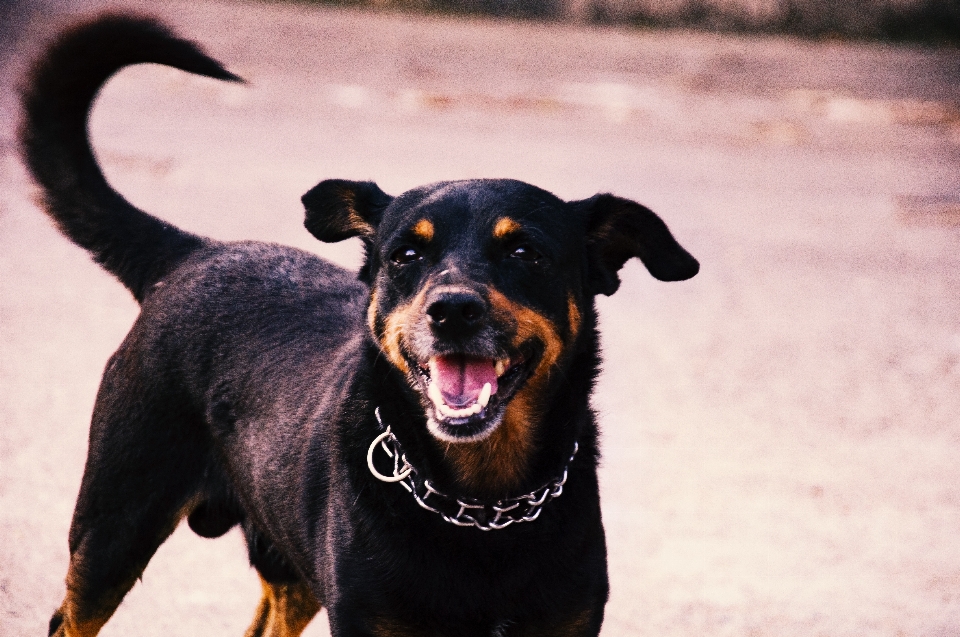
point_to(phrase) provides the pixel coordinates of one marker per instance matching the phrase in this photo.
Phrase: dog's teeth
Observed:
(434, 393)
(499, 367)
(446, 411)
(484, 397)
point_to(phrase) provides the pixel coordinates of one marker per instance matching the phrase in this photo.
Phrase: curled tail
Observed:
(137, 248)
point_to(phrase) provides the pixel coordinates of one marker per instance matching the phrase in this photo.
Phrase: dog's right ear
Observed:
(338, 209)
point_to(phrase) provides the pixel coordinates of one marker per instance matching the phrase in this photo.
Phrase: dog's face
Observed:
(476, 297)
(478, 288)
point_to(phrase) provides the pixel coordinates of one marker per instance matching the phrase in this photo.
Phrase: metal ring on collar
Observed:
(376, 474)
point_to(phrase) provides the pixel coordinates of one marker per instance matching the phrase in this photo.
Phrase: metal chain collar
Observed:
(462, 511)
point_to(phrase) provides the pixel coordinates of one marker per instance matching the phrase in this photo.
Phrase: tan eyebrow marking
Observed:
(505, 226)
(424, 229)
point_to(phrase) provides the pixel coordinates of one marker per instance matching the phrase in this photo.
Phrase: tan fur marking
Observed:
(361, 226)
(394, 326)
(72, 627)
(392, 336)
(424, 230)
(573, 317)
(354, 220)
(505, 226)
(82, 618)
(372, 313)
(530, 324)
(78, 618)
(499, 461)
(284, 610)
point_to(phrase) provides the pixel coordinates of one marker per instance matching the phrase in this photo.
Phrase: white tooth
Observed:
(484, 397)
(434, 393)
(446, 411)
(499, 367)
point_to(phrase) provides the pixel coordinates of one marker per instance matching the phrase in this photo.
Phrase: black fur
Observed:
(137, 248)
(245, 392)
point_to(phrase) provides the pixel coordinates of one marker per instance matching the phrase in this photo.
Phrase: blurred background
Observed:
(781, 435)
(924, 20)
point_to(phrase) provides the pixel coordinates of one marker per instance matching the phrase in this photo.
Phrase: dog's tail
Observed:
(137, 248)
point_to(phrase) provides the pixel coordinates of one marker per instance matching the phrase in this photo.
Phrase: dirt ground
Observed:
(781, 434)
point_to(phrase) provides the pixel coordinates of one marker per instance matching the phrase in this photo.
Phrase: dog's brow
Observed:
(505, 226)
(423, 229)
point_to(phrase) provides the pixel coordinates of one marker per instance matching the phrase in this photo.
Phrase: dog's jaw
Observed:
(441, 430)
(479, 412)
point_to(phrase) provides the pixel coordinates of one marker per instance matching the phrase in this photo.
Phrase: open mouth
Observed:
(467, 395)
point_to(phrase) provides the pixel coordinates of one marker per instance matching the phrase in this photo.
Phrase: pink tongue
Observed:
(460, 378)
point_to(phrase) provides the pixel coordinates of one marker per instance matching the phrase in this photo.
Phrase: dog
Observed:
(410, 446)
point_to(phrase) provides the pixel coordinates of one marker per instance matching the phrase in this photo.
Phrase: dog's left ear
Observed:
(619, 229)
(338, 209)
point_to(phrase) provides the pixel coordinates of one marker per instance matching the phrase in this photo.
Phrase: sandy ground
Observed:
(781, 435)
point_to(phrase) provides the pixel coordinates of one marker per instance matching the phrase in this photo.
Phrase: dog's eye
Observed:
(525, 253)
(405, 254)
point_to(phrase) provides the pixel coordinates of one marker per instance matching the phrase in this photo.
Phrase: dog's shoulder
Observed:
(248, 304)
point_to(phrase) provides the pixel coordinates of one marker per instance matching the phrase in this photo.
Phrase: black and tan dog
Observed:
(412, 448)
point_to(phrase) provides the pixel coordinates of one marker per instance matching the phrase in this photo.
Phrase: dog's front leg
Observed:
(284, 611)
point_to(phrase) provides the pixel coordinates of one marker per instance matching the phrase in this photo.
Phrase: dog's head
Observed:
(479, 288)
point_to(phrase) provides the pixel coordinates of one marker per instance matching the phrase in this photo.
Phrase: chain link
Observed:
(464, 511)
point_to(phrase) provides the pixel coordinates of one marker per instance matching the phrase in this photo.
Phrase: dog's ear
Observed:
(618, 229)
(338, 209)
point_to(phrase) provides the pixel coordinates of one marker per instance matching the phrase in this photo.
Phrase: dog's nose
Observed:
(457, 313)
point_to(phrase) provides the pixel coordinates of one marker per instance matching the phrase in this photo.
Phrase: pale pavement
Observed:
(781, 435)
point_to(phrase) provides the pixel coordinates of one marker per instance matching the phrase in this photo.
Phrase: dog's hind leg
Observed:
(144, 470)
